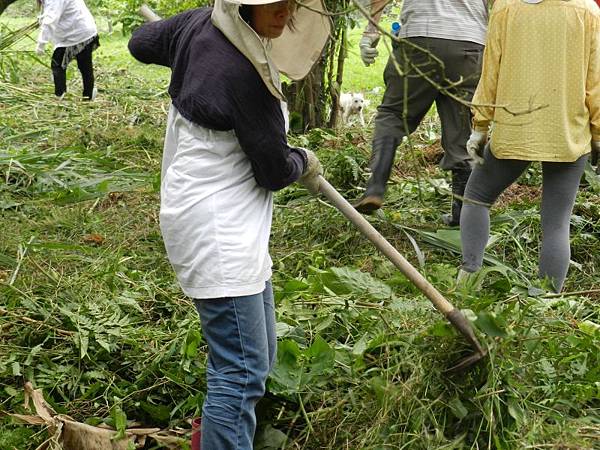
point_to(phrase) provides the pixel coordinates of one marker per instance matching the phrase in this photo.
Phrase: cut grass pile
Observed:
(90, 310)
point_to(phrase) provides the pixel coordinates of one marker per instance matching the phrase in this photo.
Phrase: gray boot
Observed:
(459, 182)
(384, 151)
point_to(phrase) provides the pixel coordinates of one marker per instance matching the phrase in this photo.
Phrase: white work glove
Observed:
(368, 47)
(475, 146)
(595, 155)
(39, 49)
(310, 176)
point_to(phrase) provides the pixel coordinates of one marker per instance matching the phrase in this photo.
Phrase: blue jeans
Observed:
(240, 332)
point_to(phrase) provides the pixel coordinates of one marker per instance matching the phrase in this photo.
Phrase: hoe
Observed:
(454, 316)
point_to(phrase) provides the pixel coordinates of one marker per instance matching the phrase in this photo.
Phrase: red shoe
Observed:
(196, 433)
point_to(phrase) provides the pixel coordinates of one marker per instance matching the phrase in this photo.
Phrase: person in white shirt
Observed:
(70, 27)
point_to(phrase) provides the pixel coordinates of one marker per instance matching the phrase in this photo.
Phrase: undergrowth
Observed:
(90, 310)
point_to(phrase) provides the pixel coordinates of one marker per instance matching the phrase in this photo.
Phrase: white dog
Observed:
(352, 103)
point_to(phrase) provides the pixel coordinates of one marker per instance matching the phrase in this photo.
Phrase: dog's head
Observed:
(358, 101)
(352, 102)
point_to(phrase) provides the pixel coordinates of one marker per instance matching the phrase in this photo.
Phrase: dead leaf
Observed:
(93, 239)
(68, 434)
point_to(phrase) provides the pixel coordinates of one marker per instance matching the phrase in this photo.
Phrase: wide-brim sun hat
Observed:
(297, 50)
(293, 54)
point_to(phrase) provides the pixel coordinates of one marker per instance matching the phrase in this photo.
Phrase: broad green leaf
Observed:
(450, 240)
(322, 356)
(160, 413)
(102, 342)
(361, 345)
(287, 372)
(489, 324)
(9, 204)
(294, 285)
(325, 323)
(269, 438)
(192, 342)
(288, 352)
(283, 329)
(458, 408)
(12, 392)
(348, 280)
(129, 298)
(441, 329)
(120, 422)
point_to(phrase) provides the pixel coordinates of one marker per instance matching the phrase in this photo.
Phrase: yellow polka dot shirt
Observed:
(540, 83)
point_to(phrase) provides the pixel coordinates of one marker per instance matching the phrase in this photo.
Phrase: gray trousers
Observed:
(407, 98)
(560, 182)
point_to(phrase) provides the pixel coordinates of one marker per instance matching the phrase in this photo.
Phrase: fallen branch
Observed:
(25, 319)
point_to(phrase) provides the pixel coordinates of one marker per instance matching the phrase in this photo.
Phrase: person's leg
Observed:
(460, 177)
(238, 365)
(59, 75)
(485, 184)
(86, 67)
(408, 96)
(559, 189)
(406, 100)
(270, 323)
(462, 62)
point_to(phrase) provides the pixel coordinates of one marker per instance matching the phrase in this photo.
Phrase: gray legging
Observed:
(559, 187)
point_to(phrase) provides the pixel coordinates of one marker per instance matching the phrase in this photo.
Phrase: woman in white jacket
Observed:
(69, 25)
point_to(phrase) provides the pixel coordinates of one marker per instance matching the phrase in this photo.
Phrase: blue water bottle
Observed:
(396, 28)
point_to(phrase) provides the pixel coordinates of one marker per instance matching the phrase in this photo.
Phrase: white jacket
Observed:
(66, 23)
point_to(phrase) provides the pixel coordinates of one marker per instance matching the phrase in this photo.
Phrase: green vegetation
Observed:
(90, 310)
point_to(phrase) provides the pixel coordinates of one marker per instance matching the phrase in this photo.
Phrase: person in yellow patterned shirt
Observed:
(539, 93)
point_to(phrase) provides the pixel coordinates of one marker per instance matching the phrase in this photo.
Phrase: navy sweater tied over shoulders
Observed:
(215, 86)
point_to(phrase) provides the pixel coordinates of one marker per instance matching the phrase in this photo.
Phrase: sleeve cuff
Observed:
(302, 153)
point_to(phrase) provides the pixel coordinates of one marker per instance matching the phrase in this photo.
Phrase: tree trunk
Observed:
(335, 87)
(4, 4)
(313, 101)
(305, 100)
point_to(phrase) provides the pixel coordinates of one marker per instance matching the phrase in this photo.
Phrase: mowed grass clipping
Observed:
(90, 310)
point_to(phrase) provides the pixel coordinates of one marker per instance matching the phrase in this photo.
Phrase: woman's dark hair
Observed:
(246, 15)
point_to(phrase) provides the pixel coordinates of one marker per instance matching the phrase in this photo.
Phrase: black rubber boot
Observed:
(459, 182)
(384, 151)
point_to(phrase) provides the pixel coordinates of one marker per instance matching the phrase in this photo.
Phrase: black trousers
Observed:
(85, 65)
(409, 96)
